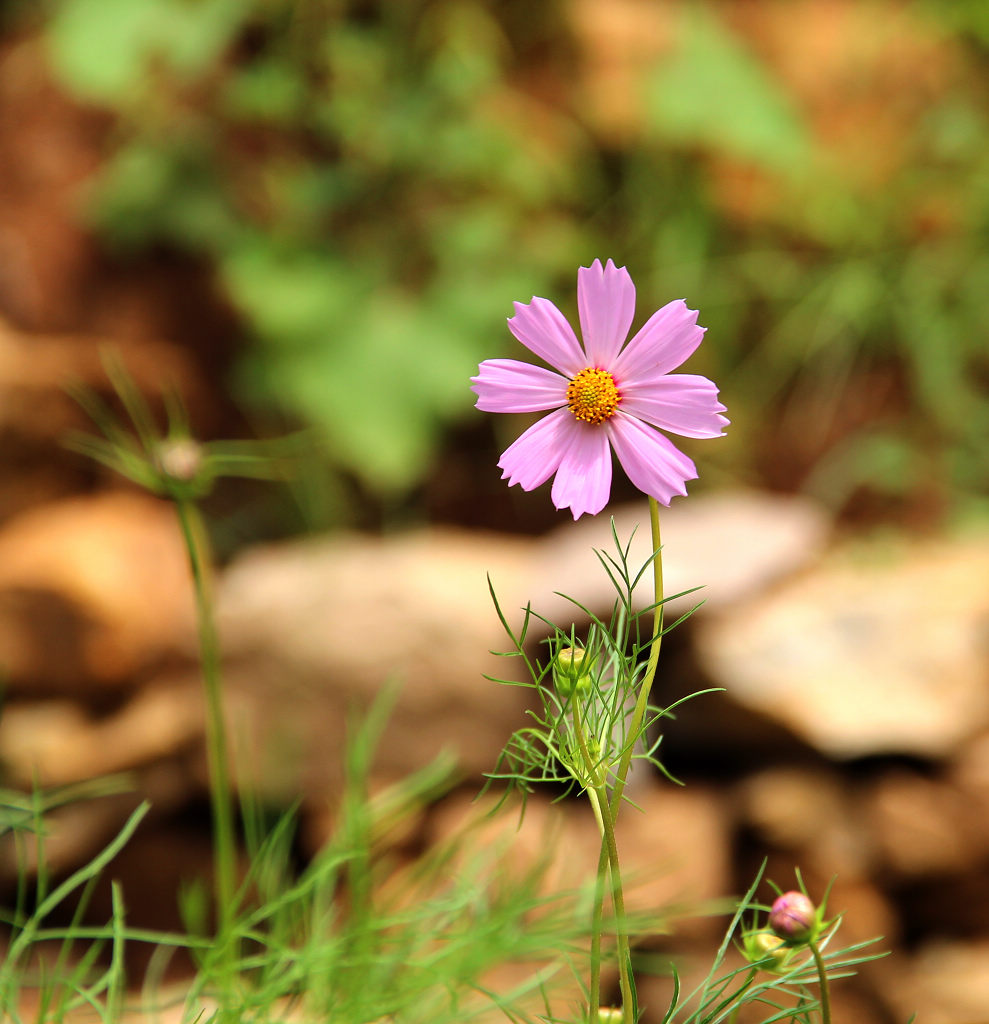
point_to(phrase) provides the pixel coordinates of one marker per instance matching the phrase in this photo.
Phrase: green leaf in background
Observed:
(378, 371)
(711, 91)
(102, 49)
(375, 183)
(163, 190)
(885, 461)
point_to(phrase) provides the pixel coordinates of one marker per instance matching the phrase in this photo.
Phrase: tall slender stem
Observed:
(642, 701)
(597, 792)
(822, 976)
(594, 997)
(606, 810)
(216, 733)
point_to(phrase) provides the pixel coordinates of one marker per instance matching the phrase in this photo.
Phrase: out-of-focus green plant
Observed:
(374, 181)
(361, 183)
(849, 308)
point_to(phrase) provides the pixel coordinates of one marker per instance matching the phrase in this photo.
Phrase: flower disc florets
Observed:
(593, 396)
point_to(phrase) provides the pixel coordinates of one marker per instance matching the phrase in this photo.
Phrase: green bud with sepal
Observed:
(572, 671)
(766, 949)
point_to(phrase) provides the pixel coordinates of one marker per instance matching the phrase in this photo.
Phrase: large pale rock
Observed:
(317, 628)
(92, 590)
(314, 626)
(731, 545)
(880, 649)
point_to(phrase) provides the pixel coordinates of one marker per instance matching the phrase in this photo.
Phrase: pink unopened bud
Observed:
(794, 918)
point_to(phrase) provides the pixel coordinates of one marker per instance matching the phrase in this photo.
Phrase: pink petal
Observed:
(683, 403)
(506, 385)
(536, 455)
(664, 341)
(653, 463)
(606, 304)
(543, 329)
(583, 481)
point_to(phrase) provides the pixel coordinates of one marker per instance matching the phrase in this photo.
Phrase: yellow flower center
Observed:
(592, 396)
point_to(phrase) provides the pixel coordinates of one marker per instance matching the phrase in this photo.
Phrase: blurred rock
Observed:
(92, 591)
(923, 826)
(945, 983)
(73, 834)
(315, 629)
(55, 743)
(880, 649)
(314, 626)
(674, 847)
(733, 544)
(968, 775)
(805, 812)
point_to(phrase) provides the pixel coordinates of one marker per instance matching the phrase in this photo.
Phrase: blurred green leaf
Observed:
(103, 49)
(713, 92)
(268, 91)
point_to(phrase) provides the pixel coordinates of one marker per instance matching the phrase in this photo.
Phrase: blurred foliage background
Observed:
(369, 184)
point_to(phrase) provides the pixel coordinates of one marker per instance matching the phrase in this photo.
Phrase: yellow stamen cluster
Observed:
(592, 396)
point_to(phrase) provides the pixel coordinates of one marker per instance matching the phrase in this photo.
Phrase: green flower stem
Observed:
(642, 702)
(216, 734)
(594, 997)
(598, 794)
(822, 976)
(596, 807)
(607, 811)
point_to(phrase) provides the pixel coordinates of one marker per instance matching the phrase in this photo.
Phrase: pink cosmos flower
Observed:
(604, 396)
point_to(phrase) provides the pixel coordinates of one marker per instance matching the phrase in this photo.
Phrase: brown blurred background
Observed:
(306, 215)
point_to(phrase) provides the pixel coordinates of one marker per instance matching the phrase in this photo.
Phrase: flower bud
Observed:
(180, 458)
(610, 1015)
(571, 671)
(763, 946)
(794, 918)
